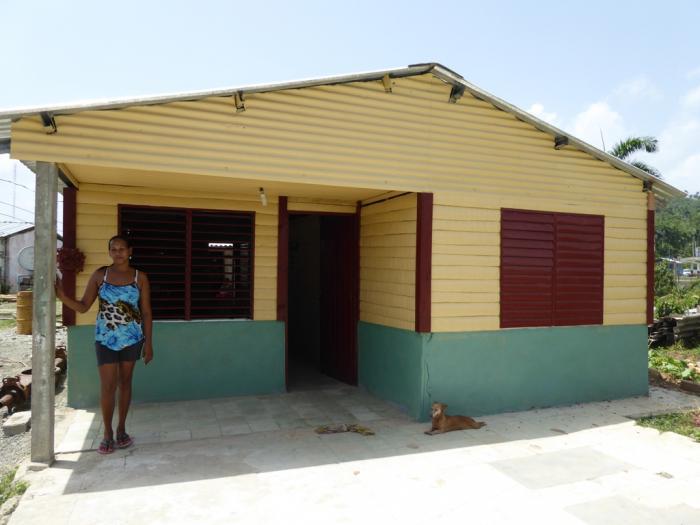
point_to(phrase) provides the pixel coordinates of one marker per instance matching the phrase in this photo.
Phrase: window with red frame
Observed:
(199, 263)
(551, 268)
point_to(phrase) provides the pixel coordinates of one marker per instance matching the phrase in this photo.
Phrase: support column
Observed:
(44, 314)
(424, 261)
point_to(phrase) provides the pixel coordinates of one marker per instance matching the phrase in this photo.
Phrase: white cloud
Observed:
(692, 98)
(537, 110)
(678, 158)
(640, 88)
(686, 174)
(693, 73)
(599, 119)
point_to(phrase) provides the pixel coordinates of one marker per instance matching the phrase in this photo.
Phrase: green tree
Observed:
(624, 149)
(664, 281)
(678, 227)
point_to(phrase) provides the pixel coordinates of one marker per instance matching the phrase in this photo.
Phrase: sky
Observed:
(599, 70)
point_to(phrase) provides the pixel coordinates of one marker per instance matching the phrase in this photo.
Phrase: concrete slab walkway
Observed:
(257, 460)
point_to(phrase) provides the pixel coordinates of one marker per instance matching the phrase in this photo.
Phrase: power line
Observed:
(18, 184)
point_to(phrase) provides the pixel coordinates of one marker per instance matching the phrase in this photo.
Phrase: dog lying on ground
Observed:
(443, 423)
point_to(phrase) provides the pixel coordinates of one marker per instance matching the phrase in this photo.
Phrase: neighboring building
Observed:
(402, 230)
(13, 239)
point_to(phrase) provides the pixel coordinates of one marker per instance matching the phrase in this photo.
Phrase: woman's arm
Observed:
(146, 317)
(89, 296)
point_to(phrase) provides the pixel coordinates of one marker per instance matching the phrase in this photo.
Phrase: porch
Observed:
(579, 464)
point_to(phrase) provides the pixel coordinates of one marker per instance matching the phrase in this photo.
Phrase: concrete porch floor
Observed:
(257, 460)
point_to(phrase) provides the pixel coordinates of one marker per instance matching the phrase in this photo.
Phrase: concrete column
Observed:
(44, 319)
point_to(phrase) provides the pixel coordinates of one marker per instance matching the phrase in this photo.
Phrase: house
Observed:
(16, 270)
(402, 230)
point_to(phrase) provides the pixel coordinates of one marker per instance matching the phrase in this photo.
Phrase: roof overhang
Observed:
(660, 188)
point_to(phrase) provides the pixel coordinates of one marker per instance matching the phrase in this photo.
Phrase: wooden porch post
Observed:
(651, 254)
(424, 261)
(44, 314)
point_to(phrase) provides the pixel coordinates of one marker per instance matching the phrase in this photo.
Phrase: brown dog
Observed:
(444, 423)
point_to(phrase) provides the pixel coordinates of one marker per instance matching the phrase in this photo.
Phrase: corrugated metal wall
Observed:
(97, 222)
(388, 263)
(473, 157)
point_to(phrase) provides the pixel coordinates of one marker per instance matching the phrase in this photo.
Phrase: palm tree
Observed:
(625, 148)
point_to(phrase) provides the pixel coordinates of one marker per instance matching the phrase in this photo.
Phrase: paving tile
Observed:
(616, 509)
(233, 430)
(561, 467)
(263, 425)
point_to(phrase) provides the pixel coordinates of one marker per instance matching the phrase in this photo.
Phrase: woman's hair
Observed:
(119, 238)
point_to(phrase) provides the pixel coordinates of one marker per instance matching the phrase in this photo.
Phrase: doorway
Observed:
(323, 300)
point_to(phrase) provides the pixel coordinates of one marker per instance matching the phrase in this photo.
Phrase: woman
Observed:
(122, 330)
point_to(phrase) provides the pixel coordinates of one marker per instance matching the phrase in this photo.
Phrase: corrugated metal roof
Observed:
(661, 189)
(9, 229)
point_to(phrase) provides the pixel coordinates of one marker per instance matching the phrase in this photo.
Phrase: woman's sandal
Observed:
(106, 446)
(124, 440)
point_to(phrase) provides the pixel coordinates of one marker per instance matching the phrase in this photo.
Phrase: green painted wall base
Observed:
(478, 373)
(192, 360)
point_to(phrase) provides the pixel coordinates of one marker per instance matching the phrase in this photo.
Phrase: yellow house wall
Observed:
(96, 222)
(472, 156)
(388, 262)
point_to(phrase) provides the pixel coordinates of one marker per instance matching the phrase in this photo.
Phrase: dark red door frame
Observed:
(283, 271)
(69, 241)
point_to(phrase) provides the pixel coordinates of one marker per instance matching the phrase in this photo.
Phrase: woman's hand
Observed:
(147, 353)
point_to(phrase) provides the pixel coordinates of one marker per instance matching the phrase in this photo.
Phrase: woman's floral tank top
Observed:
(118, 322)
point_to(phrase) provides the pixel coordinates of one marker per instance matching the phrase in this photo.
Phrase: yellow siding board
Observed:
(404, 252)
(470, 250)
(391, 263)
(401, 314)
(320, 207)
(624, 318)
(466, 238)
(469, 309)
(447, 260)
(625, 306)
(388, 321)
(464, 324)
(387, 299)
(627, 292)
(407, 214)
(462, 285)
(464, 297)
(390, 288)
(466, 226)
(378, 241)
(468, 273)
(389, 228)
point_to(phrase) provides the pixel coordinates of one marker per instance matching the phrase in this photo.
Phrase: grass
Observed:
(7, 323)
(9, 487)
(684, 351)
(681, 423)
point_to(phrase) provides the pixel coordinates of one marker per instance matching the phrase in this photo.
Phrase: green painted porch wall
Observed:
(478, 373)
(192, 360)
(389, 364)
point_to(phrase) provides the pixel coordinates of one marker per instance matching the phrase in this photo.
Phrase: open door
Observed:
(323, 299)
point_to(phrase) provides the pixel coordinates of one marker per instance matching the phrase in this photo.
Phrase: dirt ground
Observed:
(15, 356)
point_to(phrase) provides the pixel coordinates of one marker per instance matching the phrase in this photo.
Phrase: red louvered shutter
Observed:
(527, 268)
(551, 269)
(578, 289)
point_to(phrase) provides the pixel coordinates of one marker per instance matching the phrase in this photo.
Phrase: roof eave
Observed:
(412, 70)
